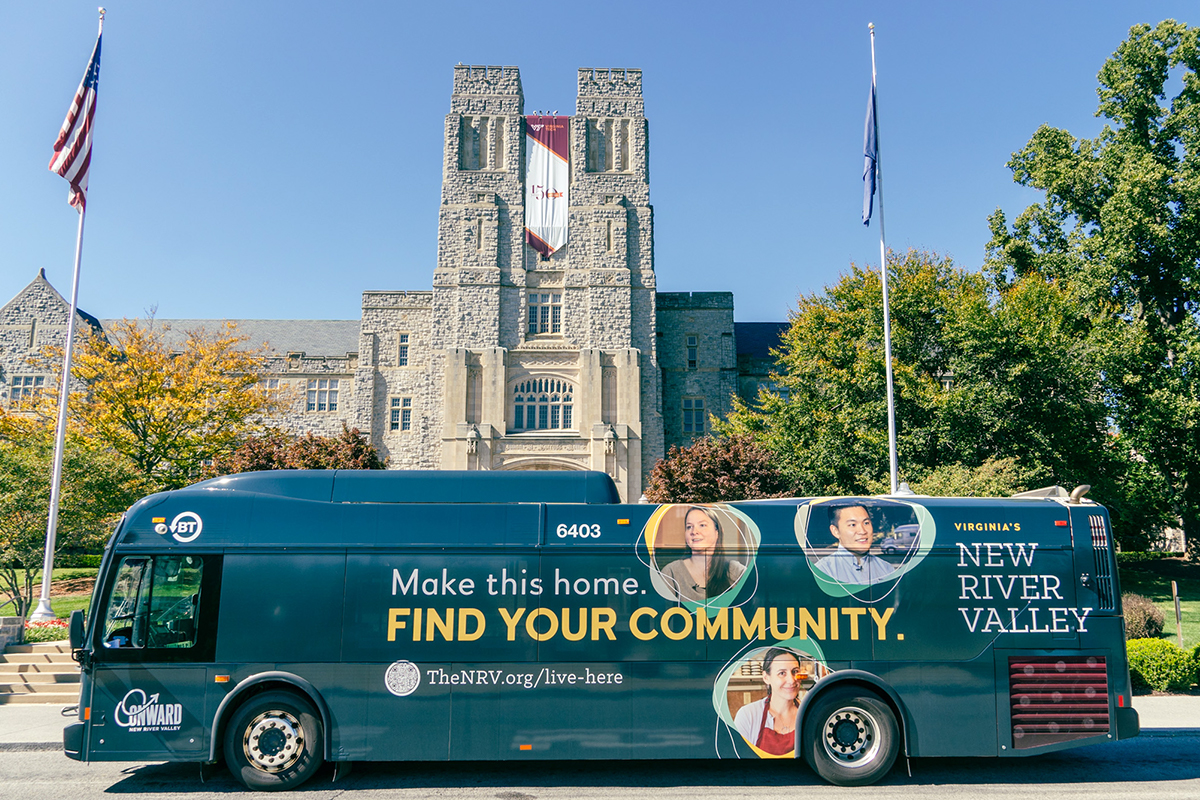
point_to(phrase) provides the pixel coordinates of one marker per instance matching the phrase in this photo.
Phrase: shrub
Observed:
(1160, 666)
(713, 469)
(54, 630)
(1143, 619)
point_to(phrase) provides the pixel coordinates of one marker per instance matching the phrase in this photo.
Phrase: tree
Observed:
(995, 477)
(167, 408)
(713, 470)
(274, 449)
(981, 375)
(1120, 228)
(97, 486)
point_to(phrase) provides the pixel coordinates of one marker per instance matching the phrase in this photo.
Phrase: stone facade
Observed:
(33, 320)
(458, 377)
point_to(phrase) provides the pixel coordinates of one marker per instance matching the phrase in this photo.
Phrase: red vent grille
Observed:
(1057, 699)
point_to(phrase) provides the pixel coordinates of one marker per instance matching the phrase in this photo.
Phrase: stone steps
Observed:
(39, 673)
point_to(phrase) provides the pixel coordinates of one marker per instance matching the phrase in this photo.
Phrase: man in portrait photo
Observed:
(852, 562)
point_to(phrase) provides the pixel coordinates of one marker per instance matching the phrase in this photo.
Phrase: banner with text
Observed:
(546, 179)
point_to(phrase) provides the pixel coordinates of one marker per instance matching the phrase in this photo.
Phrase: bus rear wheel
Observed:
(273, 741)
(850, 737)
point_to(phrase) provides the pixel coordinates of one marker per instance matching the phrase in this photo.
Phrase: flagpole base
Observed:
(43, 613)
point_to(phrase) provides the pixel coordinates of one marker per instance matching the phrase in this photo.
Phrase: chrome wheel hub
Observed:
(851, 736)
(274, 741)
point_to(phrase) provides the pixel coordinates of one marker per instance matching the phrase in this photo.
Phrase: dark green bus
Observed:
(278, 620)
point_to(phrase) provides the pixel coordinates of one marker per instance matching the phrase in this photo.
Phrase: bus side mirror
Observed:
(76, 629)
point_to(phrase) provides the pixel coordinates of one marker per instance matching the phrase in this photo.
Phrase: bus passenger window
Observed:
(123, 605)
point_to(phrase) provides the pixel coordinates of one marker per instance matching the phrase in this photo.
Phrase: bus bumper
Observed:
(1128, 724)
(73, 741)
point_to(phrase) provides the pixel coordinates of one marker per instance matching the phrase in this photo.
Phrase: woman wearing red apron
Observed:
(770, 723)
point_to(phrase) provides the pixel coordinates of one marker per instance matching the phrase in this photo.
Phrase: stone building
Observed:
(514, 359)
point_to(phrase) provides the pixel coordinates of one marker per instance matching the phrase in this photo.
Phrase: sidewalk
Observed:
(39, 727)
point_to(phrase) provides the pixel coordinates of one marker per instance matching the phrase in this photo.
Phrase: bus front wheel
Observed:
(850, 737)
(273, 741)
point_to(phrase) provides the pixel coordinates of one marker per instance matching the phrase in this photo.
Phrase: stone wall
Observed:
(12, 631)
(37, 318)
(708, 316)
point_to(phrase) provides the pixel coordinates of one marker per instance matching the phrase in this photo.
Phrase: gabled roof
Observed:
(40, 282)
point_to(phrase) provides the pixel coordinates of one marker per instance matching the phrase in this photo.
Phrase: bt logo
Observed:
(184, 528)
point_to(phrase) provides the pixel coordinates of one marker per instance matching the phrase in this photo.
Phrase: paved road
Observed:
(1161, 767)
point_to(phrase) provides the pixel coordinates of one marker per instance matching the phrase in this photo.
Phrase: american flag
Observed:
(73, 149)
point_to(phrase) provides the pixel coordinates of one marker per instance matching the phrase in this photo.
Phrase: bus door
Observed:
(158, 627)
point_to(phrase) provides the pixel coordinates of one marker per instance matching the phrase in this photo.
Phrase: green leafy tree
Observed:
(97, 486)
(996, 382)
(713, 470)
(1120, 228)
(274, 449)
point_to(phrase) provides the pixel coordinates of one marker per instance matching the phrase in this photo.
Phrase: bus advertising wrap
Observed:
(481, 630)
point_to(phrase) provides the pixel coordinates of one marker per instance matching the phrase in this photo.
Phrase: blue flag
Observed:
(870, 153)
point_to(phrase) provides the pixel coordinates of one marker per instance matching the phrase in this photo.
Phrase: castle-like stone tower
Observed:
(516, 360)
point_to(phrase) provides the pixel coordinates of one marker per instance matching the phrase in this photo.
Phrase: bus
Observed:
(280, 620)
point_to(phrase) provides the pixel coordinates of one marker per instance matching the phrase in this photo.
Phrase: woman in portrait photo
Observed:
(708, 571)
(770, 723)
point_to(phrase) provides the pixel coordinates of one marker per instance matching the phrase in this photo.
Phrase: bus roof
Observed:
(424, 486)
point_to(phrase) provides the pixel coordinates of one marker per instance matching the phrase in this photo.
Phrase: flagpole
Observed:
(893, 463)
(44, 612)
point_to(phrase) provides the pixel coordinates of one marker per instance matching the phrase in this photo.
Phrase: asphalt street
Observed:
(1162, 766)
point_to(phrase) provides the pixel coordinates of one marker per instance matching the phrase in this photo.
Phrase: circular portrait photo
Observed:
(700, 553)
(862, 541)
(762, 696)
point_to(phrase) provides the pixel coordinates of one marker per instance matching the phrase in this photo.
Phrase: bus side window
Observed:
(153, 603)
(120, 621)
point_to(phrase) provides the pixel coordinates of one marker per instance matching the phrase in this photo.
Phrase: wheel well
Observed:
(251, 688)
(865, 682)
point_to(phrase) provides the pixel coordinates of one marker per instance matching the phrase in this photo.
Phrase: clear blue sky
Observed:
(275, 159)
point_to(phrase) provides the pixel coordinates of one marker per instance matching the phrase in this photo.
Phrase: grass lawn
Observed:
(1152, 579)
(63, 604)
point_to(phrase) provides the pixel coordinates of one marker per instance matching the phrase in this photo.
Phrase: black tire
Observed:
(850, 737)
(273, 741)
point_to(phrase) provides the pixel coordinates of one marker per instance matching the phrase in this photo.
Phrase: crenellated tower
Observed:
(531, 361)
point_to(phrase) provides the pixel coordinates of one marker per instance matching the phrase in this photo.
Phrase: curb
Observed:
(1168, 733)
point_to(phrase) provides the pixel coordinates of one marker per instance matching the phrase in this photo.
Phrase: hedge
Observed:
(1160, 666)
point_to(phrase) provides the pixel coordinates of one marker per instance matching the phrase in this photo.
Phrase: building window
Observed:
(693, 348)
(323, 394)
(545, 313)
(543, 404)
(693, 415)
(402, 355)
(401, 414)
(25, 388)
(270, 388)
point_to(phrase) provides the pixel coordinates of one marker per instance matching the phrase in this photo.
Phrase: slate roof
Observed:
(755, 339)
(314, 337)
